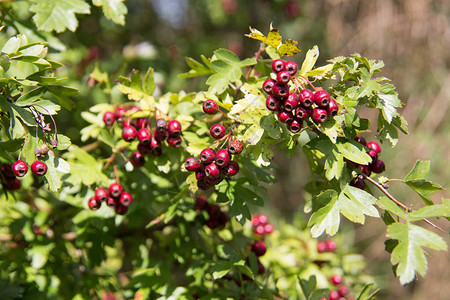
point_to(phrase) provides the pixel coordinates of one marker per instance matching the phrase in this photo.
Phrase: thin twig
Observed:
(381, 188)
(257, 55)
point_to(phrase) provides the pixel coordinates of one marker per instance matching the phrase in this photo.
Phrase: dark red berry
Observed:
(161, 134)
(232, 169)
(261, 268)
(306, 98)
(285, 116)
(322, 98)
(101, 195)
(214, 211)
(302, 113)
(39, 168)
(207, 156)
(272, 103)
(235, 147)
(203, 185)
(192, 164)
(319, 115)
(201, 203)
(7, 171)
(212, 171)
(174, 141)
(115, 190)
(336, 279)
(333, 108)
(137, 159)
(291, 67)
(278, 65)
(110, 202)
(12, 184)
(210, 107)
(259, 248)
(217, 131)
(358, 182)
(109, 118)
(155, 146)
(291, 102)
(174, 128)
(20, 168)
(200, 174)
(144, 136)
(125, 199)
(364, 169)
(360, 140)
(377, 166)
(94, 204)
(373, 154)
(280, 91)
(283, 77)
(129, 133)
(161, 124)
(222, 219)
(222, 158)
(144, 149)
(294, 126)
(374, 146)
(268, 85)
(121, 209)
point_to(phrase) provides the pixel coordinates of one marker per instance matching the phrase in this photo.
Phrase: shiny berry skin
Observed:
(101, 195)
(174, 128)
(336, 279)
(283, 77)
(222, 158)
(235, 147)
(200, 174)
(259, 230)
(201, 203)
(109, 118)
(231, 169)
(137, 159)
(272, 103)
(302, 113)
(119, 113)
(285, 116)
(161, 124)
(155, 146)
(306, 98)
(268, 85)
(217, 131)
(278, 65)
(144, 136)
(334, 295)
(322, 247)
(291, 67)
(142, 122)
(365, 169)
(268, 228)
(360, 140)
(161, 134)
(129, 133)
(144, 149)
(332, 108)
(38, 168)
(125, 199)
(291, 102)
(259, 248)
(115, 190)
(20, 168)
(280, 91)
(331, 245)
(110, 202)
(121, 209)
(263, 219)
(319, 115)
(377, 166)
(94, 204)
(192, 164)
(174, 141)
(322, 98)
(343, 291)
(358, 183)
(373, 154)
(294, 126)
(210, 107)
(212, 171)
(374, 146)
(207, 156)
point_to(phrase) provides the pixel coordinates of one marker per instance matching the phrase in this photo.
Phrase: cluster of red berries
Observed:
(261, 225)
(342, 290)
(377, 165)
(19, 169)
(217, 217)
(115, 197)
(293, 109)
(326, 246)
(140, 129)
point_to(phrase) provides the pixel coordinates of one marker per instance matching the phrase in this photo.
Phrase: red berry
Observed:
(280, 91)
(192, 164)
(174, 128)
(259, 230)
(12, 184)
(303, 113)
(306, 97)
(358, 183)
(129, 133)
(268, 228)
(201, 203)
(294, 126)
(272, 103)
(336, 279)
(200, 174)
(207, 156)
(255, 221)
(142, 122)
(161, 124)
(174, 141)
(161, 134)
(125, 199)
(322, 98)
(278, 65)
(319, 115)
(322, 247)
(331, 245)
(235, 147)
(333, 108)
(39, 168)
(20, 168)
(210, 107)
(120, 209)
(364, 169)
(259, 248)
(343, 291)
(222, 158)
(110, 202)
(212, 170)
(263, 219)
(377, 166)
(360, 140)
(285, 116)
(137, 159)
(374, 146)
(109, 118)
(119, 113)
(144, 136)
(217, 131)
(334, 295)
(268, 85)
(101, 195)
(115, 190)
(291, 67)
(144, 149)
(291, 102)
(7, 171)
(94, 204)
(155, 146)
(283, 77)
(232, 169)
(261, 268)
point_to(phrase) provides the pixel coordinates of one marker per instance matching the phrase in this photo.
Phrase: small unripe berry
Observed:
(174, 128)
(319, 115)
(291, 102)
(374, 146)
(272, 103)
(210, 107)
(115, 190)
(322, 98)
(294, 126)
(20, 168)
(306, 97)
(231, 169)
(101, 195)
(192, 164)
(129, 133)
(333, 108)
(144, 136)
(278, 65)
(291, 67)
(235, 147)
(94, 204)
(44, 149)
(377, 166)
(207, 156)
(39, 168)
(283, 77)
(212, 170)
(217, 131)
(268, 85)
(109, 118)
(137, 159)
(259, 248)
(125, 199)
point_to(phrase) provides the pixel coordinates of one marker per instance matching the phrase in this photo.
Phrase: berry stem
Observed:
(116, 174)
(298, 76)
(257, 55)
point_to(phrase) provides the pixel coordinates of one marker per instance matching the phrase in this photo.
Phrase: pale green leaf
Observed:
(354, 152)
(114, 10)
(419, 171)
(310, 60)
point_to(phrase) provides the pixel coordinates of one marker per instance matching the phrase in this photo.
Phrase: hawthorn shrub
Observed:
(159, 200)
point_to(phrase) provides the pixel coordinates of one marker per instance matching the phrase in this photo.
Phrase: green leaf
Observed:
(424, 188)
(366, 293)
(12, 45)
(220, 269)
(310, 60)
(388, 103)
(58, 15)
(39, 255)
(114, 10)
(431, 211)
(308, 286)
(409, 253)
(354, 152)
(149, 82)
(419, 171)
(334, 164)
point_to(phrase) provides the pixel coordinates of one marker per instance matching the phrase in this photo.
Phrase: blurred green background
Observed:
(412, 37)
